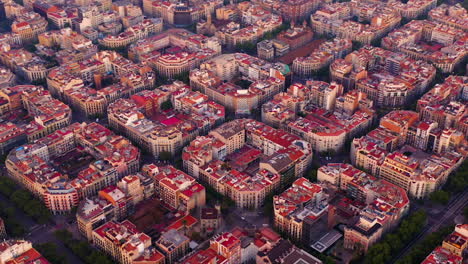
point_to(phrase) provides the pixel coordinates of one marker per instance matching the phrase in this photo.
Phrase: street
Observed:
(236, 217)
(244, 218)
(444, 217)
(40, 233)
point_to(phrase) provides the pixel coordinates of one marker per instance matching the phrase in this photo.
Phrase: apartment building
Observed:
(302, 200)
(177, 189)
(49, 115)
(20, 251)
(377, 196)
(227, 157)
(125, 244)
(114, 157)
(228, 246)
(141, 118)
(174, 245)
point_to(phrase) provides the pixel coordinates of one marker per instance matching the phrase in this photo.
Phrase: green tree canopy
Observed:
(440, 197)
(392, 243)
(165, 155)
(166, 105)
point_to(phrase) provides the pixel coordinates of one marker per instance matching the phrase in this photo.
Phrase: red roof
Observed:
(177, 225)
(29, 257)
(171, 121)
(208, 256)
(22, 24)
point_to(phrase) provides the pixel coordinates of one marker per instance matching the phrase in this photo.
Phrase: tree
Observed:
(440, 197)
(423, 248)
(393, 242)
(82, 249)
(98, 257)
(161, 80)
(458, 181)
(268, 35)
(39, 82)
(23, 200)
(20, 197)
(5, 25)
(226, 204)
(166, 105)
(15, 229)
(312, 175)
(6, 186)
(225, 166)
(184, 224)
(323, 74)
(357, 45)
(12, 225)
(183, 77)
(196, 236)
(165, 155)
(247, 47)
(50, 252)
(50, 62)
(192, 27)
(30, 47)
(268, 206)
(32, 207)
(256, 113)
(376, 42)
(63, 235)
(244, 84)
